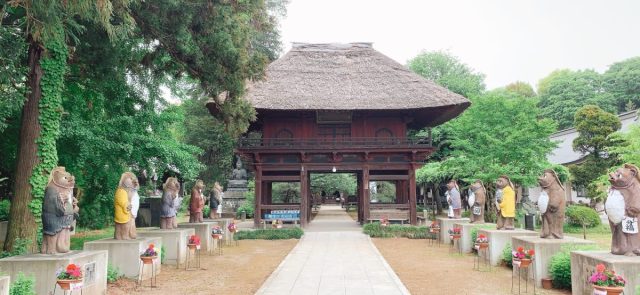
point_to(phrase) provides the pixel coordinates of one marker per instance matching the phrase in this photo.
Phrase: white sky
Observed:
(507, 40)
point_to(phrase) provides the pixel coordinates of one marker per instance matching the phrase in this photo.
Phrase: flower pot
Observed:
(148, 259)
(191, 246)
(524, 262)
(547, 283)
(610, 290)
(455, 236)
(217, 236)
(66, 284)
(483, 245)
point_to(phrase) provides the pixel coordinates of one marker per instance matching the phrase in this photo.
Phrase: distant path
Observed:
(333, 257)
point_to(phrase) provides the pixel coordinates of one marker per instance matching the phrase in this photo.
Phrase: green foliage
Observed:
(594, 126)
(82, 236)
(113, 273)
(54, 65)
(582, 216)
(448, 71)
(330, 182)
(250, 201)
(163, 254)
(23, 285)
(20, 247)
(622, 80)
(563, 92)
(269, 234)
(627, 151)
(14, 70)
(466, 214)
(522, 89)
(385, 192)
(507, 255)
(488, 141)
(560, 265)
(563, 172)
(4, 210)
(375, 230)
(286, 192)
(474, 230)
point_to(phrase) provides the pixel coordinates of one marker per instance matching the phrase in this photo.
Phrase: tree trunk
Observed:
(22, 224)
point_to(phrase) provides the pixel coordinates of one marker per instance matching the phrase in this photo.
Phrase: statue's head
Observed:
(452, 184)
(171, 184)
(61, 178)
(549, 178)
(503, 181)
(477, 186)
(128, 180)
(199, 184)
(238, 163)
(624, 176)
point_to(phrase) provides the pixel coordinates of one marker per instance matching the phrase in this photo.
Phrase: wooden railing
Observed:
(324, 143)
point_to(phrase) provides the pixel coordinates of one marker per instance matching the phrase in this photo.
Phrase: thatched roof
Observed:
(350, 76)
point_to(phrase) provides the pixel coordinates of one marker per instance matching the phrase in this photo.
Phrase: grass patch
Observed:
(87, 235)
(269, 234)
(375, 230)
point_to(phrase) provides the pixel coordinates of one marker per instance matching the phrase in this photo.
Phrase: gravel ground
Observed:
(434, 270)
(240, 270)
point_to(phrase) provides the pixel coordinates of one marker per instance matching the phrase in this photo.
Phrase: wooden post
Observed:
(257, 215)
(360, 194)
(413, 217)
(304, 197)
(365, 195)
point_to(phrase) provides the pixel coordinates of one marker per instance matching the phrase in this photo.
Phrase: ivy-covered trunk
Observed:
(39, 129)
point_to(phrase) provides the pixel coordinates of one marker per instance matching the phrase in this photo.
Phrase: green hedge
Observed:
(507, 255)
(577, 215)
(22, 285)
(375, 230)
(560, 265)
(269, 234)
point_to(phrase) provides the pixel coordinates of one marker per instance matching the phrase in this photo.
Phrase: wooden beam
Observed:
(388, 177)
(413, 217)
(290, 178)
(281, 207)
(257, 215)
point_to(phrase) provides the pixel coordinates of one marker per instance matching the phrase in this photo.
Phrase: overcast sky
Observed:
(507, 40)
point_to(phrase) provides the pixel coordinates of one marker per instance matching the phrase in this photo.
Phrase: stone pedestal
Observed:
(498, 239)
(4, 285)
(466, 242)
(125, 254)
(173, 240)
(224, 224)
(43, 268)
(544, 249)
(446, 224)
(583, 264)
(203, 230)
(233, 198)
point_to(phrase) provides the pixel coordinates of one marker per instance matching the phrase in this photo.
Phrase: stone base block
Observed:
(446, 224)
(224, 224)
(544, 249)
(203, 230)
(466, 242)
(125, 254)
(583, 264)
(173, 240)
(4, 285)
(498, 239)
(43, 268)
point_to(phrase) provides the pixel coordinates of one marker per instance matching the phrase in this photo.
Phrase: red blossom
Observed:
(520, 250)
(600, 267)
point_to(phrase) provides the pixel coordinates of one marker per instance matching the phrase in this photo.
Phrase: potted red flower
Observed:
(194, 242)
(523, 257)
(149, 254)
(384, 221)
(65, 277)
(455, 233)
(434, 227)
(605, 280)
(216, 232)
(482, 242)
(233, 228)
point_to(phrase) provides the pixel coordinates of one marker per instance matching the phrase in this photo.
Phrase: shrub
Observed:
(582, 216)
(248, 208)
(113, 273)
(4, 210)
(375, 230)
(206, 211)
(507, 255)
(269, 234)
(560, 265)
(22, 286)
(466, 214)
(20, 247)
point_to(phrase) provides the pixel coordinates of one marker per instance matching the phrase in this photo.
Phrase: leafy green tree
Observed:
(521, 88)
(594, 126)
(622, 80)
(448, 71)
(12, 73)
(563, 92)
(628, 150)
(330, 182)
(47, 25)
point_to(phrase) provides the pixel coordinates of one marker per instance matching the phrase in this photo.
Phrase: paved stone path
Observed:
(333, 257)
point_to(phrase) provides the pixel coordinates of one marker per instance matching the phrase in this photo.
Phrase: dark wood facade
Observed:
(371, 144)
